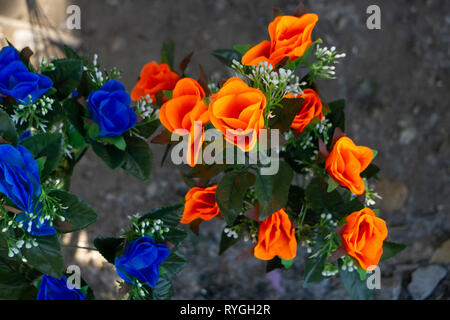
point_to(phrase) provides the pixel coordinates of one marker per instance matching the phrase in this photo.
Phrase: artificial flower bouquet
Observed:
(264, 150)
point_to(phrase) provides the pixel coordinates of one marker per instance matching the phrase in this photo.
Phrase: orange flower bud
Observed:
(186, 113)
(154, 79)
(363, 237)
(259, 53)
(276, 238)
(346, 162)
(290, 37)
(237, 111)
(200, 203)
(310, 109)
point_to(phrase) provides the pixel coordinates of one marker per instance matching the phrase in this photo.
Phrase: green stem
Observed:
(79, 247)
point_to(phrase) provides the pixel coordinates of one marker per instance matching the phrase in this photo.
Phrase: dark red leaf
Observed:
(185, 62)
(203, 79)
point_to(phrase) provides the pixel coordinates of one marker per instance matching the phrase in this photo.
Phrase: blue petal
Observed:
(113, 85)
(56, 289)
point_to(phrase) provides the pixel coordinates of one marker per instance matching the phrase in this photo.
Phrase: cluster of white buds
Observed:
(265, 72)
(370, 198)
(325, 57)
(308, 244)
(47, 66)
(330, 270)
(347, 264)
(307, 143)
(328, 218)
(325, 53)
(148, 227)
(213, 87)
(230, 233)
(322, 128)
(14, 247)
(252, 237)
(140, 289)
(144, 108)
(16, 244)
(33, 112)
(236, 65)
(295, 87)
(96, 74)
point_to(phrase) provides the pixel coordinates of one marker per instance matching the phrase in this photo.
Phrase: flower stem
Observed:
(78, 247)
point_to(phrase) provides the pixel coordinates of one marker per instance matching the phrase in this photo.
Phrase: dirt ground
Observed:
(395, 80)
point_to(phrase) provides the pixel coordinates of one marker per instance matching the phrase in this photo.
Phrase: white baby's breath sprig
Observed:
(33, 114)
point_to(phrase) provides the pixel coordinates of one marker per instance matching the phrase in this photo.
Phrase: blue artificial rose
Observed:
(141, 260)
(19, 181)
(16, 81)
(110, 108)
(56, 289)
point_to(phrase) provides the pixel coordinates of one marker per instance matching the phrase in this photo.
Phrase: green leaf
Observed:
(119, 142)
(111, 156)
(375, 153)
(147, 129)
(93, 131)
(78, 214)
(362, 273)
(332, 184)
(46, 257)
(66, 76)
(41, 164)
(47, 145)
(287, 263)
(337, 115)
(371, 171)
(226, 56)
(167, 53)
(139, 158)
(109, 247)
(356, 287)
(174, 263)
(242, 48)
(175, 236)
(284, 115)
(321, 201)
(7, 129)
(296, 199)
(163, 289)
(230, 194)
(272, 190)
(13, 284)
(391, 249)
(75, 113)
(226, 241)
(170, 215)
(167, 94)
(70, 53)
(314, 265)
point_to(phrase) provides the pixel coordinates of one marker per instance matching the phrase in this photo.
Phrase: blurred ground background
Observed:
(396, 82)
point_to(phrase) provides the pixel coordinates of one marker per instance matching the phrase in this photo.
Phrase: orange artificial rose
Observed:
(363, 237)
(276, 238)
(237, 111)
(200, 203)
(154, 79)
(310, 109)
(290, 37)
(257, 54)
(346, 162)
(186, 113)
